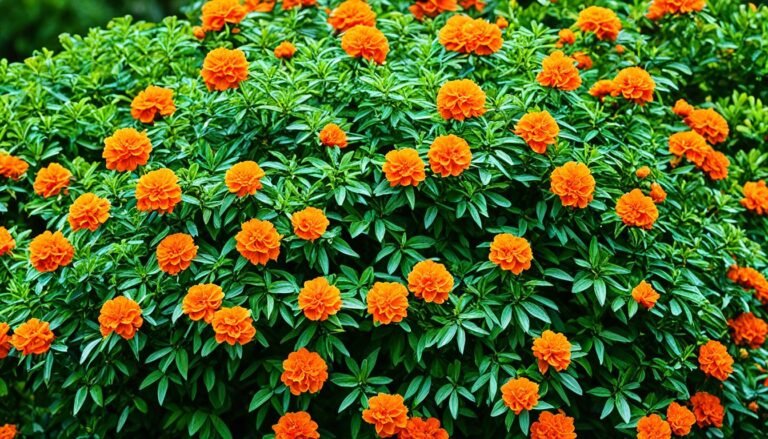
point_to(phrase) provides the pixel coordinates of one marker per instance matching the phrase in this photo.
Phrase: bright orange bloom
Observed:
(520, 394)
(285, 50)
(460, 99)
(258, 241)
(387, 302)
(5, 340)
(366, 42)
(218, 13)
(7, 431)
(755, 197)
(709, 123)
(127, 149)
(198, 32)
(643, 172)
(583, 61)
(538, 129)
(309, 223)
(634, 84)
(565, 36)
(574, 184)
(304, 371)
(552, 349)
(175, 253)
(558, 71)
(431, 281)
(645, 295)
(708, 410)
(715, 165)
(12, 167)
(602, 88)
(680, 419)
(259, 5)
(32, 337)
(297, 425)
(224, 69)
(49, 251)
(466, 35)
(637, 210)
(431, 8)
(387, 413)
(351, 13)
(511, 253)
(602, 22)
(319, 299)
(404, 167)
(682, 108)
(449, 155)
(479, 5)
(244, 178)
(502, 23)
(88, 212)
(120, 315)
(233, 325)
(653, 427)
(655, 10)
(7, 243)
(690, 144)
(452, 35)
(660, 8)
(658, 195)
(332, 135)
(418, 428)
(620, 49)
(748, 330)
(290, 4)
(152, 101)
(750, 278)
(715, 361)
(158, 191)
(553, 426)
(202, 301)
(52, 180)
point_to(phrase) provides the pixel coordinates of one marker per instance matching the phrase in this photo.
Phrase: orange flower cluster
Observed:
(365, 42)
(12, 167)
(708, 410)
(296, 425)
(304, 371)
(224, 69)
(387, 413)
(653, 427)
(52, 180)
(431, 8)
(419, 428)
(520, 394)
(637, 210)
(120, 315)
(511, 253)
(574, 184)
(552, 349)
(449, 155)
(657, 194)
(680, 419)
(5, 340)
(600, 21)
(695, 149)
(285, 50)
(158, 191)
(290, 4)
(707, 122)
(175, 253)
(553, 425)
(559, 71)
(309, 223)
(244, 178)
(351, 13)
(403, 167)
(202, 301)
(538, 129)
(258, 241)
(634, 84)
(502, 23)
(715, 361)
(659, 9)
(464, 34)
(682, 108)
(645, 295)
(479, 5)
(7, 431)
(218, 13)
(387, 302)
(565, 37)
(126, 150)
(151, 102)
(749, 278)
(583, 61)
(233, 325)
(755, 197)
(602, 88)
(7, 243)
(49, 251)
(748, 330)
(88, 212)
(33, 337)
(460, 99)
(332, 135)
(431, 281)
(643, 172)
(319, 299)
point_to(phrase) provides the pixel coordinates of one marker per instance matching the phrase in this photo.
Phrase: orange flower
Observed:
(175, 253)
(643, 172)
(659, 8)
(645, 295)
(7, 431)
(558, 71)
(452, 35)
(403, 167)
(690, 144)
(708, 410)
(218, 13)
(259, 5)
(126, 150)
(538, 129)
(431, 281)
(680, 419)
(656, 10)
(88, 212)
(520, 394)
(620, 49)
(502, 23)
(285, 50)
(715, 164)
(51, 180)
(449, 155)
(748, 330)
(709, 124)
(158, 191)
(233, 325)
(602, 88)
(602, 22)
(290, 4)
(565, 36)
(418, 428)
(431, 8)
(715, 361)
(658, 195)
(297, 425)
(552, 349)
(202, 301)
(224, 69)
(653, 427)
(351, 13)
(152, 101)
(479, 5)
(387, 413)
(464, 35)
(5, 340)
(198, 32)
(753, 406)
(7, 243)
(244, 178)
(511, 253)
(366, 42)
(387, 302)
(553, 425)
(32, 337)
(319, 299)
(634, 84)
(12, 167)
(120, 315)
(460, 99)
(258, 241)
(682, 108)
(583, 61)
(304, 371)
(331, 134)
(574, 184)
(755, 197)
(309, 223)
(49, 251)
(637, 210)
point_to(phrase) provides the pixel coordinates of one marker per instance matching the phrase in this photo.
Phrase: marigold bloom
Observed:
(645, 295)
(708, 410)
(634, 84)
(479, 5)
(602, 22)
(620, 49)
(452, 35)
(755, 197)
(5, 340)
(126, 149)
(502, 23)
(224, 69)
(7, 243)
(583, 61)
(7, 431)
(460, 99)
(52, 180)
(404, 167)
(198, 32)
(309, 223)
(285, 50)
(259, 5)
(152, 101)
(32, 337)
(244, 178)
(538, 129)
(660, 8)
(602, 88)
(120, 315)
(158, 191)
(366, 42)
(319, 299)
(689, 144)
(481, 37)
(715, 165)
(290, 4)
(202, 301)
(297, 425)
(748, 330)
(431, 8)
(656, 10)
(680, 419)
(175, 253)
(418, 428)
(511, 253)
(332, 135)
(552, 349)
(449, 155)
(682, 108)
(520, 394)
(643, 172)
(553, 426)
(658, 195)
(258, 241)
(12, 167)
(709, 123)
(304, 371)
(574, 184)
(637, 210)
(558, 71)
(653, 427)
(218, 13)
(387, 413)
(49, 251)
(88, 212)
(431, 281)
(233, 325)
(351, 13)
(387, 302)
(565, 36)
(715, 361)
